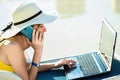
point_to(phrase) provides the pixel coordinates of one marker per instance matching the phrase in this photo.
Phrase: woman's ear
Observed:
(28, 41)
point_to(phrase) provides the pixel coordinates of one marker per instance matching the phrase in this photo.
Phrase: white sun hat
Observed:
(26, 14)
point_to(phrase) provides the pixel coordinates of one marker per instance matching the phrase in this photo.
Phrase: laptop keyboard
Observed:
(88, 65)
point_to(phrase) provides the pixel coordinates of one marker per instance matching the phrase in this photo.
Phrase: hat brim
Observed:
(11, 32)
(43, 18)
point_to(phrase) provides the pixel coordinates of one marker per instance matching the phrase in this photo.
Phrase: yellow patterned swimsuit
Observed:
(4, 66)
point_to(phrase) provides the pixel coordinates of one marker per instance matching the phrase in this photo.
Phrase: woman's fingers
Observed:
(33, 35)
(70, 63)
(37, 35)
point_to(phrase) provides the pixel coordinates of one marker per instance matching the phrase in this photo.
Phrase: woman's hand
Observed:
(65, 62)
(37, 40)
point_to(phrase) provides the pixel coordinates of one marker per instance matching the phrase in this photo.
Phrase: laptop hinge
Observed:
(104, 61)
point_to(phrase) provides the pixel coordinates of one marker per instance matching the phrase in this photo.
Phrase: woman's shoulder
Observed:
(10, 49)
(10, 46)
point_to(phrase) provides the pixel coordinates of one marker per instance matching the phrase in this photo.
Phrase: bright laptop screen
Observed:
(107, 41)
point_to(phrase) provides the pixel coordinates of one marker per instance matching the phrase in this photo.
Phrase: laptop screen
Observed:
(107, 41)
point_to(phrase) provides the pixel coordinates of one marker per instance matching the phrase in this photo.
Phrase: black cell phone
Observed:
(27, 32)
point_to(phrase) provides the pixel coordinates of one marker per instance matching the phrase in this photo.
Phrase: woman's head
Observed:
(41, 27)
(27, 13)
(27, 32)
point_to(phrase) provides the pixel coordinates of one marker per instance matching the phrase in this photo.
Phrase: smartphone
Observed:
(27, 32)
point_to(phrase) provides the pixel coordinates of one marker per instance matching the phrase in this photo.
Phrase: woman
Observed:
(13, 43)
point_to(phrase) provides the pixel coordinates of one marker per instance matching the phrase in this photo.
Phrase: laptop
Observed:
(98, 62)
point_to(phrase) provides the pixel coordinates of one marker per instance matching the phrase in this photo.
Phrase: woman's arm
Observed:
(34, 70)
(47, 66)
(37, 45)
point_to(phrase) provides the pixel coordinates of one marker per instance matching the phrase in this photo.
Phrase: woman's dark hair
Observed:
(8, 26)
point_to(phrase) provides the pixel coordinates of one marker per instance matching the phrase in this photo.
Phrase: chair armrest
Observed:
(6, 75)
